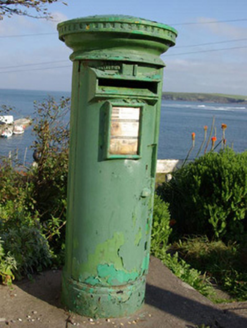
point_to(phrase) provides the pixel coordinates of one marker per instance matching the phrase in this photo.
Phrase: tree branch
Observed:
(14, 7)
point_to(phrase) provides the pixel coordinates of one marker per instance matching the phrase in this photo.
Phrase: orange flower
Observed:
(193, 135)
(205, 128)
(172, 222)
(223, 126)
(213, 139)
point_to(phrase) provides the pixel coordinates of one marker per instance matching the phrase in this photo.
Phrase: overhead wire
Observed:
(173, 24)
(176, 54)
(34, 69)
(34, 64)
(210, 43)
(24, 35)
(210, 22)
(54, 67)
(201, 51)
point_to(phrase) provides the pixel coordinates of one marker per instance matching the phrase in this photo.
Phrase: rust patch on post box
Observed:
(125, 127)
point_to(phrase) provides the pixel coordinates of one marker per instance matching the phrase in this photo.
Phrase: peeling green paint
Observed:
(104, 253)
(92, 281)
(114, 276)
(106, 265)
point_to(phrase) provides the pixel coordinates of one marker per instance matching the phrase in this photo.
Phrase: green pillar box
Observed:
(115, 112)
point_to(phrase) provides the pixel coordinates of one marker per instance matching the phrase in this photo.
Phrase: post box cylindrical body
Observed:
(115, 110)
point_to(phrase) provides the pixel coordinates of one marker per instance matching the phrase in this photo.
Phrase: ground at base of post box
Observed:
(170, 303)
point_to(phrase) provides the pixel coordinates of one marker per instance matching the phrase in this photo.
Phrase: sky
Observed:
(210, 53)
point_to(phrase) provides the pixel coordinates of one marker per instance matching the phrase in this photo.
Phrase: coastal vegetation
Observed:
(208, 213)
(204, 97)
(33, 199)
(199, 218)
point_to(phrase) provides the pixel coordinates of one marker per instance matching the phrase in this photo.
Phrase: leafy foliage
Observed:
(50, 175)
(160, 248)
(186, 272)
(19, 225)
(161, 225)
(28, 247)
(33, 201)
(223, 263)
(7, 266)
(209, 196)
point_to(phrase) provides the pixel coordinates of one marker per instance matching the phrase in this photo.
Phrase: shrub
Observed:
(160, 248)
(24, 241)
(28, 247)
(50, 176)
(209, 196)
(7, 266)
(33, 202)
(161, 225)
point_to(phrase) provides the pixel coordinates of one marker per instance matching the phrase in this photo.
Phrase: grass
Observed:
(222, 264)
(208, 265)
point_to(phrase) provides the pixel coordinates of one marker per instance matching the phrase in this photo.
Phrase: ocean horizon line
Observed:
(34, 90)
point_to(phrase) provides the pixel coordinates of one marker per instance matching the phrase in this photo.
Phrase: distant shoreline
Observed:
(205, 97)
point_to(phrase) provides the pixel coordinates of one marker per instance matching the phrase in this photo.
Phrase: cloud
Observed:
(222, 29)
(57, 17)
(16, 25)
(199, 76)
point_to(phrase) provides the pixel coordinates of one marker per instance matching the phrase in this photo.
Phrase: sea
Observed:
(178, 121)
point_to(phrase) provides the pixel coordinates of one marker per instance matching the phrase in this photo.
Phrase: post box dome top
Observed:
(117, 23)
(97, 32)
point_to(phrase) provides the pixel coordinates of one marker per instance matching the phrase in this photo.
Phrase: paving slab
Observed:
(170, 303)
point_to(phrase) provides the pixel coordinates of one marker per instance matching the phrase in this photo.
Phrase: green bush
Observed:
(49, 177)
(52, 149)
(209, 196)
(33, 200)
(161, 225)
(28, 247)
(24, 241)
(7, 265)
(161, 232)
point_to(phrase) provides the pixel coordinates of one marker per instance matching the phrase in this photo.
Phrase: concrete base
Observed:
(169, 304)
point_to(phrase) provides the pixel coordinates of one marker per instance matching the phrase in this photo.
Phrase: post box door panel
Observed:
(123, 130)
(130, 158)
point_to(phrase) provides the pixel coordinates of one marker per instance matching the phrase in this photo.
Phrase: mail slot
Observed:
(116, 97)
(137, 86)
